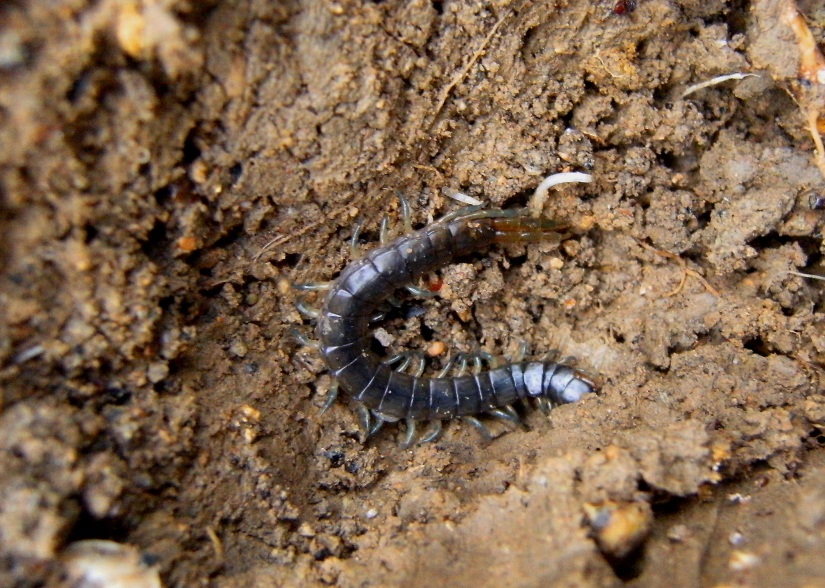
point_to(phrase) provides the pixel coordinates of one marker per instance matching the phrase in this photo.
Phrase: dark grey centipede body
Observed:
(343, 328)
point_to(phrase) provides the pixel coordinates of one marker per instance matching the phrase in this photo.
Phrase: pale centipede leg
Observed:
(544, 405)
(480, 427)
(461, 365)
(304, 340)
(420, 292)
(364, 420)
(512, 412)
(521, 352)
(306, 310)
(379, 422)
(332, 395)
(421, 363)
(406, 213)
(354, 243)
(384, 231)
(508, 414)
(492, 361)
(313, 286)
(434, 433)
(409, 435)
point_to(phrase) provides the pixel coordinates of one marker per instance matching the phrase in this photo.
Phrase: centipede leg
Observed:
(332, 395)
(379, 422)
(508, 414)
(384, 230)
(363, 421)
(406, 212)
(521, 352)
(409, 435)
(307, 310)
(313, 286)
(406, 358)
(406, 215)
(461, 365)
(544, 405)
(492, 361)
(480, 427)
(378, 317)
(304, 340)
(420, 292)
(354, 243)
(478, 360)
(434, 433)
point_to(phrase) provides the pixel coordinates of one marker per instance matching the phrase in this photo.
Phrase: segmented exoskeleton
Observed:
(353, 299)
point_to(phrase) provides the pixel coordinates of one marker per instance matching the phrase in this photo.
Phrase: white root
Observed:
(540, 195)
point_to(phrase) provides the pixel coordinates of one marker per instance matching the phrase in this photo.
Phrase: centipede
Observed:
(384, 393)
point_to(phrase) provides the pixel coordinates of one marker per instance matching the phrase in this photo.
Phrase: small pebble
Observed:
(436, 348)
(740, 561)
(736, 539)
(238, 349)
(157, 371)
(383, 337)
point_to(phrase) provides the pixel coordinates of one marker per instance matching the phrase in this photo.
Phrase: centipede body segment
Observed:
(344, 322)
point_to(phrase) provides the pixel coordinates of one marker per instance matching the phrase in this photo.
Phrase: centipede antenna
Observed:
(480, 427)
(409, 435)
(570, 360)
(313, 286)
(549, 355)
(306, 310)
(354, 243)
(332, 395)
(434, 433)
(406, 212)
(460, 213)
(418, 291)
(303, 339)
(384, 230)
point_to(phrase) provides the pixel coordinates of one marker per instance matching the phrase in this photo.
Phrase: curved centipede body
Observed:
(352, 300)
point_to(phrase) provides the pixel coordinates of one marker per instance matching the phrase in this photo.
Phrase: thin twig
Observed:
(289, 236)
(686, 271)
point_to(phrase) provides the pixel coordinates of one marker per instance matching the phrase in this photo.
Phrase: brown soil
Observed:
(169, 168)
